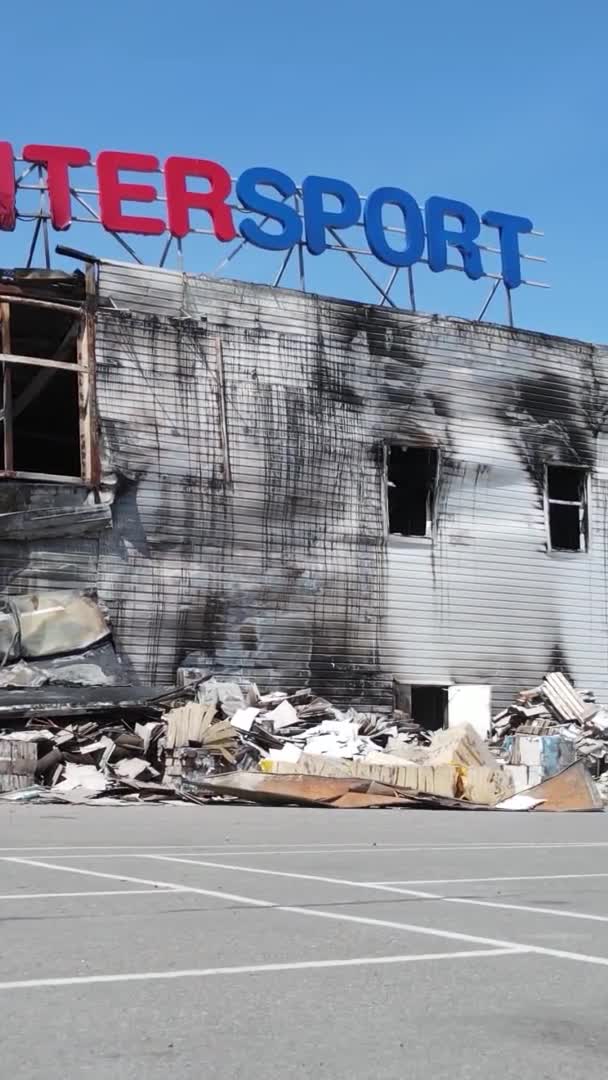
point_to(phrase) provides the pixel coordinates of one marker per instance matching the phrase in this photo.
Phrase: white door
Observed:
(470, 705)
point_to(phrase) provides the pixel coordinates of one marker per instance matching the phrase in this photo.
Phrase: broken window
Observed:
(411, 483)
(41, 427)
(566, 503)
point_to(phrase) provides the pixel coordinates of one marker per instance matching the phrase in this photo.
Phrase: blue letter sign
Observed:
(448, 230)
(412, 220)
(317, 219)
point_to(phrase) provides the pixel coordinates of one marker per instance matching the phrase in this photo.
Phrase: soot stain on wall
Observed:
(299, 541)
(558, 662)
(548, 423)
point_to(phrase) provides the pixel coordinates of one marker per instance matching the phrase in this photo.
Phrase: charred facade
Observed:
(302, 490)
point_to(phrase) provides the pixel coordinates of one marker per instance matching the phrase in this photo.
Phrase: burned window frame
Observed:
(582, 504)
(431, 496)
(82, 369)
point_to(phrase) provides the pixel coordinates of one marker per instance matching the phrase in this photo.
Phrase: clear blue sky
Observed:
(501, 106)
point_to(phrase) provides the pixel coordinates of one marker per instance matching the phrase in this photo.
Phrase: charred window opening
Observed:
(411, 483)
(427, 705)
(43, 332)
(430, 706)
(46, 430)
(566, 502)
(40, 421)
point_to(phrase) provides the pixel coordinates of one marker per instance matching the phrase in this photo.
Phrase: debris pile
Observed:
(222, 739)
(236, 727)
(71, 731)
(131, 746)
(556, 708)
(73, 753)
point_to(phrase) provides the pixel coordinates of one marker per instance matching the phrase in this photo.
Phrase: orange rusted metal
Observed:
(572, 789)
(341, 792)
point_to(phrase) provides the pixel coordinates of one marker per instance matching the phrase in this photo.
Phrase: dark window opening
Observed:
(567, 507)
(411, 478)
(565, 527)
(565, 482)
(46, 428)
(430, 706)
(44, 332)
(40, 421)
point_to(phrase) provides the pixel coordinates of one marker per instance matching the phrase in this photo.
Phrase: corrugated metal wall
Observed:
(243, 430)
(248, 486)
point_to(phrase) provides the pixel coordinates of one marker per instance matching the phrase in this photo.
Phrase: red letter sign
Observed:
(112, 192)
(7, 188)
(57, 160)
(180, 200)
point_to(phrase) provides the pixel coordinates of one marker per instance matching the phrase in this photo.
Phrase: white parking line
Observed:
(171, 847)
(416, 893)
(103, 892)
(254, 969)
(364, 920)
(483, 880)
(217, 849)
(530, 908)
(413, 928)
(196, 851)
(236, 867)
(167, 885)
(116, 850)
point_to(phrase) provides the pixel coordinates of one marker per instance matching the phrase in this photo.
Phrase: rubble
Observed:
(138, 744)
(329, 791)
(72, 731)
(556, 709)
(483, 785)
(571, 789)
(459, 746)
(18, 760)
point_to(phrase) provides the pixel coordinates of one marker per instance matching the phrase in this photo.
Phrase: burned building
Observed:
(306, 491)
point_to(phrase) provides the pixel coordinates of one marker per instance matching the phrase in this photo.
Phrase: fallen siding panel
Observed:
(71, 521)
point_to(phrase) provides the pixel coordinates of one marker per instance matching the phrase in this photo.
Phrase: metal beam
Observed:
(7, 396)
(488, 301)
(361, 268)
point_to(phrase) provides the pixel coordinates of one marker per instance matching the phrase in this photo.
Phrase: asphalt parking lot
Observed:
(256, 942)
